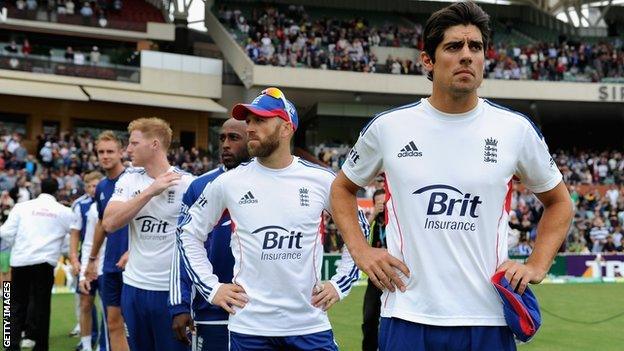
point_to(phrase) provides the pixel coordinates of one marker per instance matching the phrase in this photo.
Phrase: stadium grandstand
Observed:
(70, 70)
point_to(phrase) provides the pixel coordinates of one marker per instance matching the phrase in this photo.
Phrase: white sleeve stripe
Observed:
(174, 287)
(204, 289)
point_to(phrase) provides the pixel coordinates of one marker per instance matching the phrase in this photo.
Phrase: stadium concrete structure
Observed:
(196, 82)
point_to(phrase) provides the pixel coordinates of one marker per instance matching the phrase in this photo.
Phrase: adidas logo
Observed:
(248, 199)
(410, 150)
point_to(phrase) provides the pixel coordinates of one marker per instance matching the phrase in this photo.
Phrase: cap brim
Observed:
(240, 112)
(521, 311)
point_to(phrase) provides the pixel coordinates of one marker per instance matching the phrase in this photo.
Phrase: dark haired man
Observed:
(449, 162)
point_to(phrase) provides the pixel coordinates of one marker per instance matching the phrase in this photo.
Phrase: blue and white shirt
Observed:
(117, 241)
(182, 292)
(276, 244)
(80, 207)
(152, 231)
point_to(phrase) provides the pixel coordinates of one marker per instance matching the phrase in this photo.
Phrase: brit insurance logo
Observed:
(410, 150)
(448, 208)
(152, 228)
(279, 243)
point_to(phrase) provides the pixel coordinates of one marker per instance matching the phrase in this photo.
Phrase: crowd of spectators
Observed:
(91, 12)
(290, 37)
(597, 227)
(567, 60)
(66, 157)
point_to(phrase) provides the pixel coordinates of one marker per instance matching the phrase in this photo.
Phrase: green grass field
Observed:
(577, 302)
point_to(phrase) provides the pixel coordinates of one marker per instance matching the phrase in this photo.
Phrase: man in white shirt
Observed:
(148, 200)
(80, 229)
(449, 162)
(35, 229)
(275, 202)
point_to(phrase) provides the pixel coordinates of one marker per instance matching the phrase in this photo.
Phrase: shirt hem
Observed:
(451, 321)
(129, 281)
(284, 332)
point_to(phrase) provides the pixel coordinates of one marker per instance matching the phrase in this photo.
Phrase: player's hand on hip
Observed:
(181, 323)
(123, 260)
(325, 296)
(84, 286)
(520, 275)
(381, 267)
(162, 182)
(230, 295)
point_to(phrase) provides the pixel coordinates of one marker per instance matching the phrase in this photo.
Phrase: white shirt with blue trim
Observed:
(151, 233)
(276, 244)
(449, 179)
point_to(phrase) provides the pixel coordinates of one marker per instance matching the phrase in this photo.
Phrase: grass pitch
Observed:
(569, 314)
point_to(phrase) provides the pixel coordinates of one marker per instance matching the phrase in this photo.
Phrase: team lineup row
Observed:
(235, 254)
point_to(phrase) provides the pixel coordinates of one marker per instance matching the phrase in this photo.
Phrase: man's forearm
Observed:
(551, 231)
(344, 212)
(74, 239)
(119, 214)
(98, 239)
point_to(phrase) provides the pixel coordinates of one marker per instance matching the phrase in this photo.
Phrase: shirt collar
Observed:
(46, 197)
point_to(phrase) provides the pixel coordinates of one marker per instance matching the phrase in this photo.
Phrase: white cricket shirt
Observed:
(152, 231)
(449, 178)
(276, 214)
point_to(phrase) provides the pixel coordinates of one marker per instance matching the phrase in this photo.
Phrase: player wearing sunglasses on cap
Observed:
(275, 202)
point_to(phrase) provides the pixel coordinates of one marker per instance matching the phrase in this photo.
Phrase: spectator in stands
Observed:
(21, 192)
(70, 6)
(31, 5)
(12, 48)
(46, 153)
(20, 5)
(87, 13)
(332, 241)
(8, 179)
(598, 235)
(609, 246)
(26, 48)
(69, 54)
(94, 56)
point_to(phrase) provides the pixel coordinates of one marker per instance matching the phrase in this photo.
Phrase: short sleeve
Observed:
(76, 222)
(122, 188)
(535, 167)
(364, 160)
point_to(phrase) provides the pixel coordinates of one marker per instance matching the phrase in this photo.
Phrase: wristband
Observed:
(92, 258)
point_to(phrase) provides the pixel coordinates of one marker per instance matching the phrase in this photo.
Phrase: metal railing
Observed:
(61, 66)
